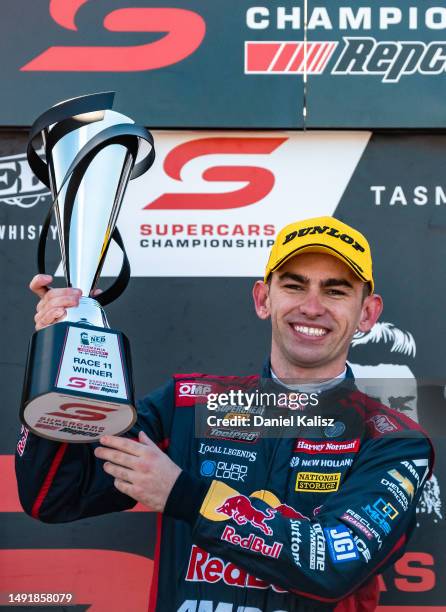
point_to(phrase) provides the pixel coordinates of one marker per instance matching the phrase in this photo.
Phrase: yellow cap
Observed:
(323, 235)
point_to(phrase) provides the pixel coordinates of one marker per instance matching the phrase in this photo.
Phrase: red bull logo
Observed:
(240, 508)
(252, 542)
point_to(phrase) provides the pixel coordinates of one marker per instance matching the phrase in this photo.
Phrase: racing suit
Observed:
(254, 523)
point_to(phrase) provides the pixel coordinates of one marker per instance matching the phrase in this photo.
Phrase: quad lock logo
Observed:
(357, 54)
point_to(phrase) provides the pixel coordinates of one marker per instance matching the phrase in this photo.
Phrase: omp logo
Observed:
(193, 389)
(183, 32)
(363, 56)
(259, 181)
(287, 57)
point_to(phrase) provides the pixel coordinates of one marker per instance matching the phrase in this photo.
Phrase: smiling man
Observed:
(249, 522)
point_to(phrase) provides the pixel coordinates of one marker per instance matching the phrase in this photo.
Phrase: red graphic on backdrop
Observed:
(183, 32)
(99, 579)
(294, 57)
(260, 181)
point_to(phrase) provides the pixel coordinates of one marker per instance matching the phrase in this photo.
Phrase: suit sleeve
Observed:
(359, 530)
(61, 482)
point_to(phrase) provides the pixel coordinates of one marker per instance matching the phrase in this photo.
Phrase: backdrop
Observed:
(254, 84)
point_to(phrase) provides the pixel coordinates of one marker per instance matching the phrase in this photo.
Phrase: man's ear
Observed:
(372, 308)
(260, 293)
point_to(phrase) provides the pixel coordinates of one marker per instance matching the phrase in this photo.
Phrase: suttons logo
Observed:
(183, 32)
(259, 181)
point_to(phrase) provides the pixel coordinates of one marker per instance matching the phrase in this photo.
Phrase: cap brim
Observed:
(322, 248)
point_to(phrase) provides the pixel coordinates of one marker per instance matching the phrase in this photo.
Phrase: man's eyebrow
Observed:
(336, 282)
(304, 280)
(299, 278)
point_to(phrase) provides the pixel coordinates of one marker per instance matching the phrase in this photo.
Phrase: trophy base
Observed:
(78, 383)
(64, 418)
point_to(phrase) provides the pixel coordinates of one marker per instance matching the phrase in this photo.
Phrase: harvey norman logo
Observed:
(355, 55)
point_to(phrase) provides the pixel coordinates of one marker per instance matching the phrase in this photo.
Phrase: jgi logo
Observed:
(224, 470)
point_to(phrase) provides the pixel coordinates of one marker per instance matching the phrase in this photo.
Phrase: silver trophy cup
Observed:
(78, 382)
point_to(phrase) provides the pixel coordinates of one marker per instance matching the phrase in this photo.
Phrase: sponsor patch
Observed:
(335, 430)
(380, 512)
(24, 431)
(240, 508)
(251, 542)
(205, 568)
(317, 482)
(382, 423)
(341, 545)
(317, 548)
(331, 463)
(224, 470)
(235, 435)
(362, 548)
(326, 446)
(189, 393)
(363, 525)
(404, 482)
(296, 541)
(224, 450)
(397, 493)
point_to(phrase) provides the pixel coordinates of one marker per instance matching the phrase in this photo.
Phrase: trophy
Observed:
(78, 379)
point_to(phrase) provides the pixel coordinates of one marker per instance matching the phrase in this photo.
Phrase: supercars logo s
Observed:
(183, 32)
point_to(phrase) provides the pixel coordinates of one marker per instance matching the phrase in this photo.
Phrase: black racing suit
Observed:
(255, 523)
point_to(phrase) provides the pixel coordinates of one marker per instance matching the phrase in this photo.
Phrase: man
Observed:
(303, 523)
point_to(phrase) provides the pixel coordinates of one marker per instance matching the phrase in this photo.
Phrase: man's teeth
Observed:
(310, 331)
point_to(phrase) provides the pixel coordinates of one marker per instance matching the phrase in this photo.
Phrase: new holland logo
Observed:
(359, 56)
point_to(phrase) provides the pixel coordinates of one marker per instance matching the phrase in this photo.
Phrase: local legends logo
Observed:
(357, 54)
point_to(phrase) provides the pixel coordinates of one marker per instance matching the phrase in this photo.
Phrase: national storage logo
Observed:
(317, 482)
(358, 51)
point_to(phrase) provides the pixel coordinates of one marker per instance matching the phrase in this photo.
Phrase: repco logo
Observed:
(183, 32)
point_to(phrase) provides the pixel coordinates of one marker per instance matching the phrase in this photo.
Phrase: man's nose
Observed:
(312, 305)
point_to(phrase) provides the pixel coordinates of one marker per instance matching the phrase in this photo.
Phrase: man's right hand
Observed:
(53, 302)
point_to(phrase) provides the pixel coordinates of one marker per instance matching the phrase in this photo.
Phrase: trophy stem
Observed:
(89, 312)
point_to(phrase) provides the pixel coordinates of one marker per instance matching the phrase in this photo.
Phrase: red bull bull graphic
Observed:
(240, 508)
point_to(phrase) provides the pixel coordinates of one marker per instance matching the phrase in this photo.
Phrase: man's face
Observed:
(316, 304)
